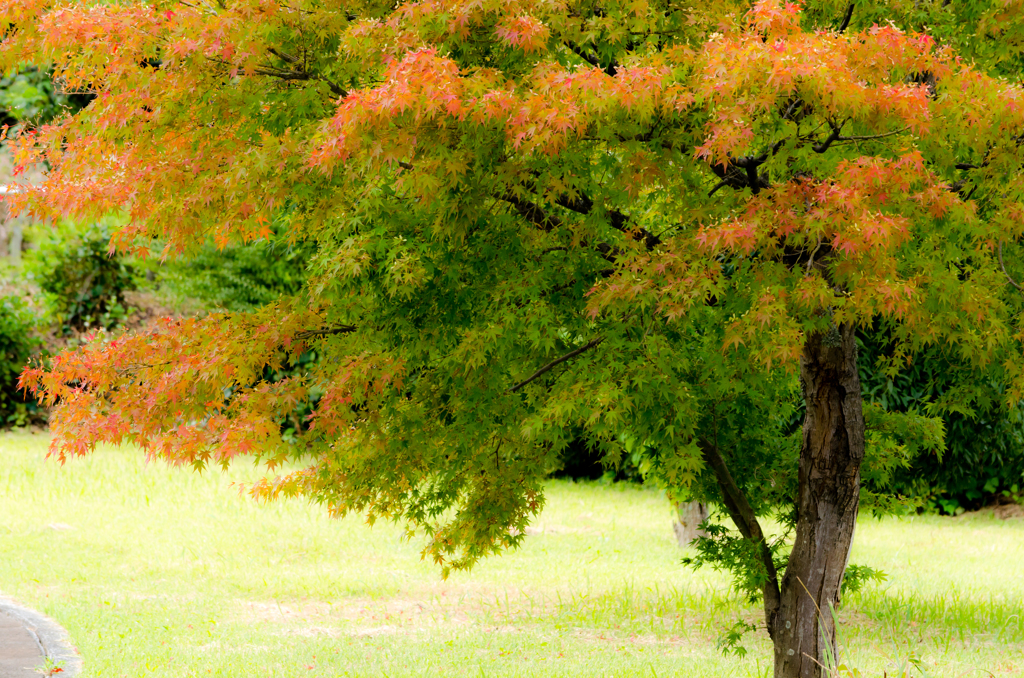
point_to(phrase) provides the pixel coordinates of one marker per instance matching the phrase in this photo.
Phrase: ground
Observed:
(157, 571)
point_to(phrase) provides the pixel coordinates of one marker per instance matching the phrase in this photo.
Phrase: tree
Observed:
(532, 219)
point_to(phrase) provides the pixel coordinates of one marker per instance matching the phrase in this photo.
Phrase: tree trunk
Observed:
(689, 516)
(829, 490)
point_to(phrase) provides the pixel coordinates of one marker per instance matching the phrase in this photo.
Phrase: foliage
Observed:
(30, 95)
(984, 441)
(724, 550)
(83, 281)
(859, 575)
(18, 343)
(729, 642)
(636, 220)
(239, 277)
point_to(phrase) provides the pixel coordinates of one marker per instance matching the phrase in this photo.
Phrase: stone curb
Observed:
(52, 640)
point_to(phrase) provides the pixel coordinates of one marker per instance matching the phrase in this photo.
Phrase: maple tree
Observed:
(631, 219)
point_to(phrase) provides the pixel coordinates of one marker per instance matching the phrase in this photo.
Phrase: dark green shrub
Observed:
(83, 283)
(29, 95)
(18, 343)
(984, 454)
(241, 277)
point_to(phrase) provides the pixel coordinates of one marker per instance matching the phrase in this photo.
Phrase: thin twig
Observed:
(1003, 266)
(555, 363)
(874, 136)
(282, 74)
(810, 260)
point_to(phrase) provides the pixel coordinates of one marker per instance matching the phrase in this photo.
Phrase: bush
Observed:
(29, 95)
(241, 277)
(17, 344)
(984, 455)
(84, 285)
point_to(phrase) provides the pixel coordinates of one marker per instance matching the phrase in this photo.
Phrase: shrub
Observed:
(984, 454)
(18, 343)
(29, 95)
(241, 277)
(83, 283)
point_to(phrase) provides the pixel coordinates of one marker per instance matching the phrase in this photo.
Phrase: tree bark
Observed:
(829, 491)
(689, 516)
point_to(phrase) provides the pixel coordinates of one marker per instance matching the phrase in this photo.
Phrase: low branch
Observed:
(554, 363)
(325, 332)
(746, 521)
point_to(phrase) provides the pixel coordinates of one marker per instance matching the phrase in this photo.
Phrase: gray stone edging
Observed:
(53, 640)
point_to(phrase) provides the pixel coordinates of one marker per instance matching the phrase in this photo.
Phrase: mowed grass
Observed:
(164, 572)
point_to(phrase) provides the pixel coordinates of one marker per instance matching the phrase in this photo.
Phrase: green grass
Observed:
(161, 571)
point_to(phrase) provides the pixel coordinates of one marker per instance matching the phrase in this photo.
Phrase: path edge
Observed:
(51, 636)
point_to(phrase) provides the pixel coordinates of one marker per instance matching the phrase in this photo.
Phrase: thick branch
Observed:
(617, 220)
(592, 59)
(846, 20)
(832, 137)
(749, 177)
(746, 521)
(532, 212)
(554, 363)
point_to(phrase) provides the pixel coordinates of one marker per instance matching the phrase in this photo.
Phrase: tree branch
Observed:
(592, 59)
(327, 331)
(869, 137)
(835, 136)
(617, 220)
(555, 363)
(846, 20)
(746, 521)
(1003, 266)
(532, 212)
(283, 74)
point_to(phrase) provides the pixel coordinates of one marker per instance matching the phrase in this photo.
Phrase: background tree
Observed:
(532, 219)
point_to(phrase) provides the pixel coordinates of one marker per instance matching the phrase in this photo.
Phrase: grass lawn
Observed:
(161, 571)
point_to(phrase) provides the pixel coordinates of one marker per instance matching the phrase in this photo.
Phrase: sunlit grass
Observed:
(160, 571)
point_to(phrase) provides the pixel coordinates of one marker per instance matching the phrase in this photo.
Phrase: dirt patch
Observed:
(1001, 509)
(1008, 511)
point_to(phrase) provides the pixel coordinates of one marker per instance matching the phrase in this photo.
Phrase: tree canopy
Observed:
(534, 218)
